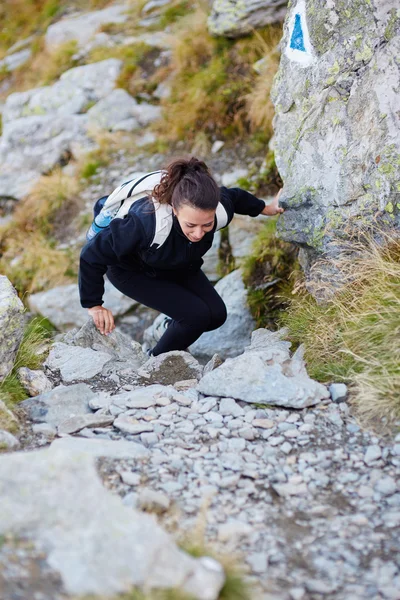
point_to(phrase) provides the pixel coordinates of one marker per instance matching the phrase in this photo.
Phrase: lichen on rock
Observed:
(337, 142)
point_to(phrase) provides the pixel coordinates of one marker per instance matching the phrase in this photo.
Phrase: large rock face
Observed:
(337, 120)
(233, 18)
(11, 325)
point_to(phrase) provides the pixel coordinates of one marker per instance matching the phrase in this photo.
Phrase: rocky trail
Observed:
(307, 501)
(122, 464)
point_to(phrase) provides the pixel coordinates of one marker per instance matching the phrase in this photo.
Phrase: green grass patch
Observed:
(90, 168)
(355, 336)
(172, 13)
(269, 273)
(31, 353)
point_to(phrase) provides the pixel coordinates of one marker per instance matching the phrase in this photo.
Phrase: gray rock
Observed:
(153, 5)
(152, 501)
(34, 382)
(8, 440)
(76, 423)
(110, 111)
(61, 305)
(58, 405)
(249, 378)
(97, 80)
(213, 363)
(45, 429)
(338, 391)
(62, 99)
(11, 325)
(211, 259)
(272, 345)
(129, 424)
(97, 448)
(89, 556)
(13, 61)
(228, 406)
(234, 335)
(118, 345)
(35, 145)
(233, 530)
(82, 27)
(231, 178)
(373, 453)
(290, 489)
(336, 134)
(76, 363)
(242, 232)
(232, 19)
(386, 486)
(170, 367)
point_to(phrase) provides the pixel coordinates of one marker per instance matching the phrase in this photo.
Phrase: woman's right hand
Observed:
(103, 319)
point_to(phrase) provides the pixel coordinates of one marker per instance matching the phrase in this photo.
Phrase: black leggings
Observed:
(190, 300)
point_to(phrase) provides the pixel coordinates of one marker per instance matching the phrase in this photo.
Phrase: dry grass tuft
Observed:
(213, 80)
(28, 244)
(258, 102)
(355, 337)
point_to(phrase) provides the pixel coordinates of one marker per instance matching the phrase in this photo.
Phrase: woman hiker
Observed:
(154, 253)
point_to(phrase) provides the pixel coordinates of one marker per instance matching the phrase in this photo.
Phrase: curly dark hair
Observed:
(187, 181)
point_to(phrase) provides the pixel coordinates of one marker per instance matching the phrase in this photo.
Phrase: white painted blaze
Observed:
(299, 48)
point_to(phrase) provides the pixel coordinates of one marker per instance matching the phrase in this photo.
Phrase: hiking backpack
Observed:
(118, 203)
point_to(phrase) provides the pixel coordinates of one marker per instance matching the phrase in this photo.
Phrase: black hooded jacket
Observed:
(127, 243)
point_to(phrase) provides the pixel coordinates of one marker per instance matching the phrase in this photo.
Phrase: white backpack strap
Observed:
(164, 220)
(222, 217)
(122, 198)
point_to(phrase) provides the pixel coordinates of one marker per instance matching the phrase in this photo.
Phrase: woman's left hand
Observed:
(273, 208)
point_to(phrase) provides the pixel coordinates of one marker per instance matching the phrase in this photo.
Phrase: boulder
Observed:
(11, 325)
(75, 363)
(234, 18)
(42, 127)
(82, 27)
(61, 305)
(97, 545)
(35, 145)
(117, 345)
(120, 111)
(234, 335)
(337, 132)
(59, 404)
(265, 374)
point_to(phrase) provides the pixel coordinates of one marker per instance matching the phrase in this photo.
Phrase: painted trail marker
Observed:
(299, 48)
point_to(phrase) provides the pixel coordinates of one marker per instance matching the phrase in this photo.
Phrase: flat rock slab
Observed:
(97, 545)
(59, 404)
(79, 422)
(76, 363)
(101, 448)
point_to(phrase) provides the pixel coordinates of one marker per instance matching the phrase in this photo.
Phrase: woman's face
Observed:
(194, 222)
